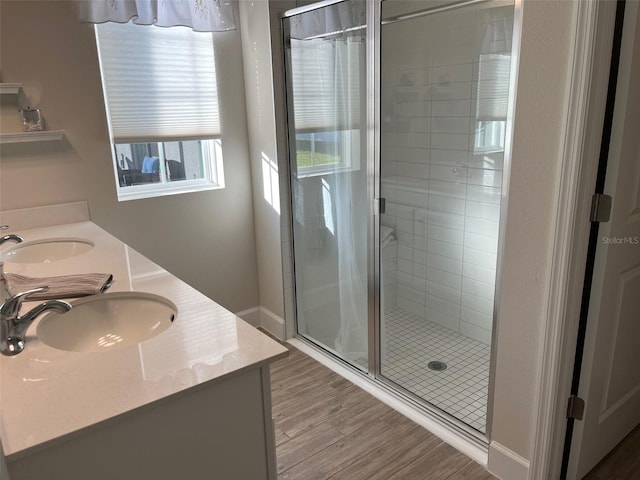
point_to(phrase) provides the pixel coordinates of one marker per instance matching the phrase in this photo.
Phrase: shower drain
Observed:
(437, 365)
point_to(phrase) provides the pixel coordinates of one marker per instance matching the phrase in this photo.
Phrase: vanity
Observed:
(191, 402)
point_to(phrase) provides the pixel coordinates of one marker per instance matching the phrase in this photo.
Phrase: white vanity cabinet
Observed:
(218, 431)
(193, 402)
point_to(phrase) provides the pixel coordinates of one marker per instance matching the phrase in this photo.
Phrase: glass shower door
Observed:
(326, 88)
(444, 120)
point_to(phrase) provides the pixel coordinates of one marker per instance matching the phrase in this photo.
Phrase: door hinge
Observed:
(575, 407)
(600, 207)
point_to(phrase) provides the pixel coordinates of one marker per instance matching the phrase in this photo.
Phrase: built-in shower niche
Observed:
(444, 99)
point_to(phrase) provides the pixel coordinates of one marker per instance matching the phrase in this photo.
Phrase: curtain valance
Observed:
(200, 15)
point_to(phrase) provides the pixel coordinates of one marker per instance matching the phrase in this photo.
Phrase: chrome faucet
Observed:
(13, 326)
(12, 237)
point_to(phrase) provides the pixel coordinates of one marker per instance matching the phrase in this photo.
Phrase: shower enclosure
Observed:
(399, 119)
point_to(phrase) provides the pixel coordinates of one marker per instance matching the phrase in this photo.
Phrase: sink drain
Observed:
(437, 366)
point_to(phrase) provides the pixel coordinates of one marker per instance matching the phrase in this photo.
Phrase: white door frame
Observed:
(583, 131)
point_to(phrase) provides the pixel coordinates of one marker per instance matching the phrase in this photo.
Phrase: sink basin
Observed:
(107, 321)
(47, 250)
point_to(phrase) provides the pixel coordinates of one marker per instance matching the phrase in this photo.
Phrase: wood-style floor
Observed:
(623, 463)
(328, 428)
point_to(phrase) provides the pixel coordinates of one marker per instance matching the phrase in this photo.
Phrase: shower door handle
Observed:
(381, 205)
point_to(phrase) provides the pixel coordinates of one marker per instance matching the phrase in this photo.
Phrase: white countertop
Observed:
(47, 393)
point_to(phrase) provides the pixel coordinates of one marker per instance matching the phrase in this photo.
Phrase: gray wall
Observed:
(205, 238)
(267, 204)
(542, 96)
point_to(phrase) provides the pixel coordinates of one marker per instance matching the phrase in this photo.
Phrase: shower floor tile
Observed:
(409, 343)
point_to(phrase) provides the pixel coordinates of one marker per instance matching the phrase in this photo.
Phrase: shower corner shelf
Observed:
(28, 137)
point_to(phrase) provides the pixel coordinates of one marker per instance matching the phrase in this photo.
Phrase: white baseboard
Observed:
(251, 316)
(506, 464)
(265, 318)
(272, 323)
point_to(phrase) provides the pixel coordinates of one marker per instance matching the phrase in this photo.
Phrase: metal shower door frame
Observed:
(373, 96)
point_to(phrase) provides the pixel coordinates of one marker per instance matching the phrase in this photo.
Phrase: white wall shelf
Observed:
(10, 88)
(27, 137)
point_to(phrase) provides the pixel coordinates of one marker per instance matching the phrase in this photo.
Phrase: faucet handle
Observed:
(11, 306)
(12, 237)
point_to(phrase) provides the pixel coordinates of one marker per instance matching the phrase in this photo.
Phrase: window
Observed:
(327, 86)
(492, 102)
(162, 107)
(490, 135)
(318, 153)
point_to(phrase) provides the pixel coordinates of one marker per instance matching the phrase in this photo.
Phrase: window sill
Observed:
(139, 192)
(315, 171)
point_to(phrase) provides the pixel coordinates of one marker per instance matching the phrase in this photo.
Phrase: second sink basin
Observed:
(46, 250)
(107, 321)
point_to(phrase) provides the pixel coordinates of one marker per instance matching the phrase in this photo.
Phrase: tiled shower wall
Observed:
(443, 199)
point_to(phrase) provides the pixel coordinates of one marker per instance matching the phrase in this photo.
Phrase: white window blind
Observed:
(159, 83)
(493, 86)
(327, 84)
